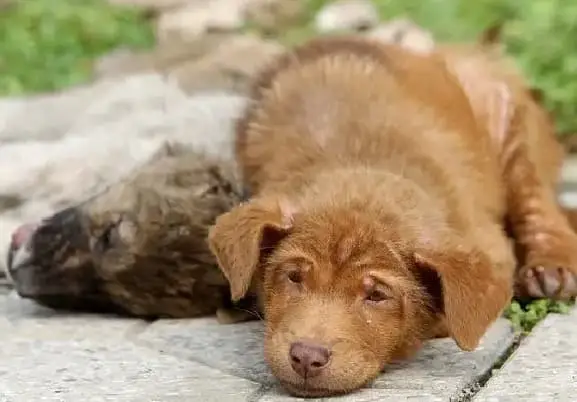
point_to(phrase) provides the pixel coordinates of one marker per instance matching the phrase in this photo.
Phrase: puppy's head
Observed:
(345, 292)
(138, 247)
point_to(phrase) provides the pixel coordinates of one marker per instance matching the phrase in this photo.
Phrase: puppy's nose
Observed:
(308, 359)
(21, 234)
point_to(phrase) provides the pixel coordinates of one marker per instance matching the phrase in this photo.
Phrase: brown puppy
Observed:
(382, 182)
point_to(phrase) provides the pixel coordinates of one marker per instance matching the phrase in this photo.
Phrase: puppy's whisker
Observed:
(253, 313)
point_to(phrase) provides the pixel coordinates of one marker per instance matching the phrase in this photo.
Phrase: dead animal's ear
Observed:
(240, 237)
(472, 297)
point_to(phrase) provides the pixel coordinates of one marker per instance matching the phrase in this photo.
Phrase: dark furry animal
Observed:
(137, 248)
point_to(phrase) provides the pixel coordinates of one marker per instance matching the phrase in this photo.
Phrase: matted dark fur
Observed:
(139, 247)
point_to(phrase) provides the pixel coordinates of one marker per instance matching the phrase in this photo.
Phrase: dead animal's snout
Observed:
(18, 249)
(22, 234)
(308, 359)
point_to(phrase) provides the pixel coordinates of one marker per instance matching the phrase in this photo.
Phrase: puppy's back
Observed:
(348, 101)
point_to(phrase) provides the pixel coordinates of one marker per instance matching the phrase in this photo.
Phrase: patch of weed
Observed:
(50, 44)
(524, 316)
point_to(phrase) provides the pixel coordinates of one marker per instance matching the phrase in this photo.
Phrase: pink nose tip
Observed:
(21, 234)
(309, 359)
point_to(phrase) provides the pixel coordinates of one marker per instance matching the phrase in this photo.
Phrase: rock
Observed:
(154, 5)
(272, 16)
(6, 4)
(164, 56)
(118, 62)
(195, 19)
(405, 33)
(568, 186)
(542, 368)
(5, 283)
(347, 15)
(231, 66)
(52, 116)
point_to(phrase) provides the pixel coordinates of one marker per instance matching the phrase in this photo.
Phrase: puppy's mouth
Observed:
(305, 390)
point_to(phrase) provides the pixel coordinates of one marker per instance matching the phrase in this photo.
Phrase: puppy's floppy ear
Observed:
(473, 298)
(239, 238)
(490, 97)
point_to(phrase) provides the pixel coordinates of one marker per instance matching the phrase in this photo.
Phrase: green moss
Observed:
(524, 316)
(50, 44)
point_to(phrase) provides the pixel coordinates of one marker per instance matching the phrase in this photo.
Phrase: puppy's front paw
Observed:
(547, 278)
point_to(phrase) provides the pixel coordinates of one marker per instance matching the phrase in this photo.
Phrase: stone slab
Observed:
(569, 171)
(568, 185)
(46, 356)
(440, 372)
(52, 356)
(543, 368)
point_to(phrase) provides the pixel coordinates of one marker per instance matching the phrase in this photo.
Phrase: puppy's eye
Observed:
(376, 296)
(375, 291)
(295, 276)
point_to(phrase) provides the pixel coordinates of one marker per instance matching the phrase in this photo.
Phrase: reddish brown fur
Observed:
(381, 186)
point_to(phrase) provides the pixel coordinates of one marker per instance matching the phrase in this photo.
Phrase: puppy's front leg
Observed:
(531, 159)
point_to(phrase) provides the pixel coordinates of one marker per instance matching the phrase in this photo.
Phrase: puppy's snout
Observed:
(309, 359)
(21, 234)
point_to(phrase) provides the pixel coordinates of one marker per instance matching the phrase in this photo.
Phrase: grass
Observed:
(524, 316)
(50, 44)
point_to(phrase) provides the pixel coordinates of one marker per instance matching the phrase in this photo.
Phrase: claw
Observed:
(532, 286)
(550, 282)
(542, 282)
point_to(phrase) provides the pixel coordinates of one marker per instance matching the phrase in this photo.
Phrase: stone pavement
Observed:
(50, 356)
(47, 356)
(543, 369)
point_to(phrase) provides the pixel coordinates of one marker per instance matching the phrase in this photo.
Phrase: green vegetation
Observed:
(525, 316)
(50, 44)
